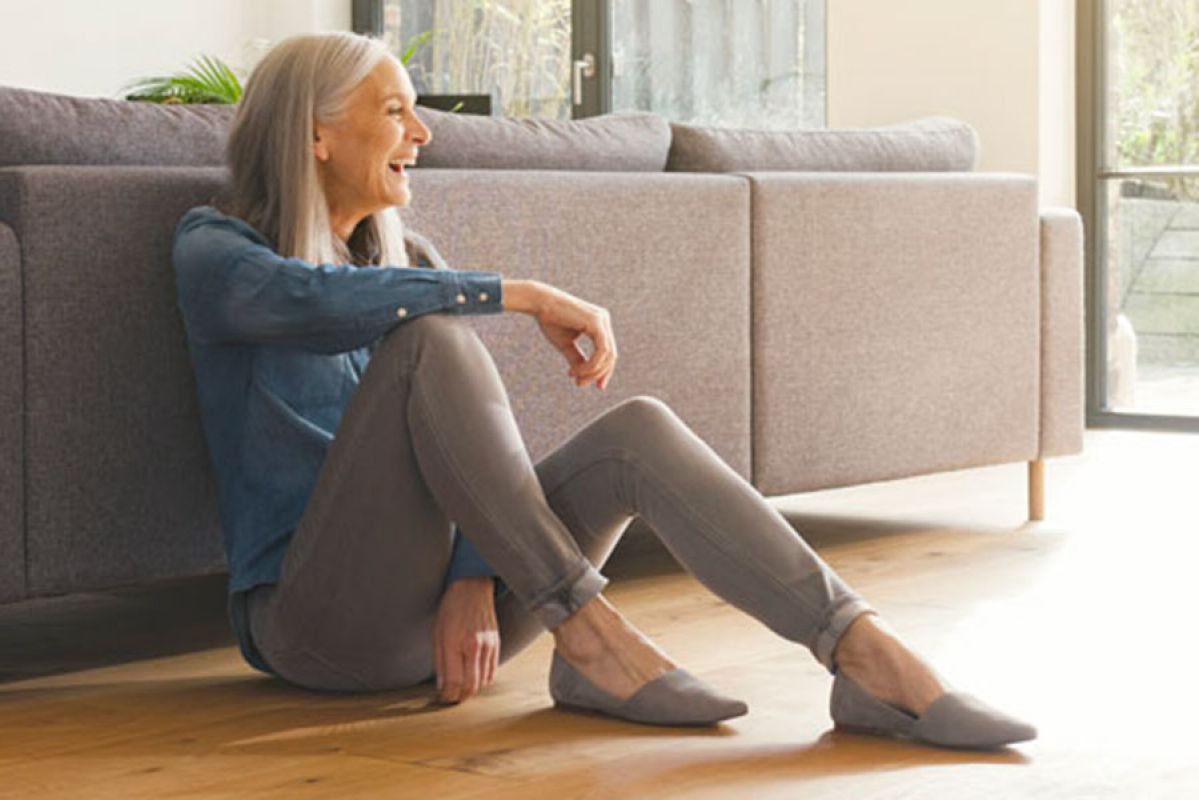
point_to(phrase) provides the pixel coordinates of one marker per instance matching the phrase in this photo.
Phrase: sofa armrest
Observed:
(12, 420)
(118, 488)
(1062, 333)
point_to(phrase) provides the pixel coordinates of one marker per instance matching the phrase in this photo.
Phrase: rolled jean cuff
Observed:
(849, 609)
(569, 597)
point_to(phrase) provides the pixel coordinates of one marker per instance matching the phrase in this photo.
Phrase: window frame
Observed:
(1093, 175)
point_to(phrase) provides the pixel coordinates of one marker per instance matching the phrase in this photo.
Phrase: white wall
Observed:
(89, 48)
(1059, 133)
(1004, 66)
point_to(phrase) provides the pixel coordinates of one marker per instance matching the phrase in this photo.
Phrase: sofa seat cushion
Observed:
(45, 128)
(932, 144)
(623, 142)
(896, 325)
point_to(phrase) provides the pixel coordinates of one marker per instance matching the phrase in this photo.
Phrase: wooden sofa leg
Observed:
(1036, 490)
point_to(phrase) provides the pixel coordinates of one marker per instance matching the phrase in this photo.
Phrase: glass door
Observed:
(1145, 297)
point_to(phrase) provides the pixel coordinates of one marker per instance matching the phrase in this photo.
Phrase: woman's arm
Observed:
(232, 290)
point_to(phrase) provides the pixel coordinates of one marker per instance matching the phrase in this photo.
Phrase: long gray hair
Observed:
(274, 185)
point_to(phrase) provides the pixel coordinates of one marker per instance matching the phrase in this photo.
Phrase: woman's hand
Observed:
(466, 638)
(563, 319)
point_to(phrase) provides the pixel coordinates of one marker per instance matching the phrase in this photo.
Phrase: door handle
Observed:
(582, 68)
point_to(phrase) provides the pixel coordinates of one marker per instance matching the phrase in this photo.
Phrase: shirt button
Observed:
(483, 296)
(461, 298)
(401, 312)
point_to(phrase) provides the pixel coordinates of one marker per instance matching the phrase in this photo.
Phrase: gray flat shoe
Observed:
(673, 698)
(955, 719)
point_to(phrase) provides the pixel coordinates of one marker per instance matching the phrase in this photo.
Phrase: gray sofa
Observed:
(816, 328)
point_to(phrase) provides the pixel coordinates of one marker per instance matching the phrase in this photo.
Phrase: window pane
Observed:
(1152, 96)
(1153, 295)
(516, 50)
(721, 62)
(718, 62)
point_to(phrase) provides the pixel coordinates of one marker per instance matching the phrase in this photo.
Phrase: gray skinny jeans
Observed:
(429, 437)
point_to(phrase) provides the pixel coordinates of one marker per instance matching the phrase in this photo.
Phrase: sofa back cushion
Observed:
(623, 142)
(932, 144)
(45, 128)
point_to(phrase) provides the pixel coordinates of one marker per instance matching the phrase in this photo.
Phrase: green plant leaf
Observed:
(415, 43)
(208, 80)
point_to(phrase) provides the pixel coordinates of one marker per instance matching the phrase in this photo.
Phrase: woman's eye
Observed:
(396, 111)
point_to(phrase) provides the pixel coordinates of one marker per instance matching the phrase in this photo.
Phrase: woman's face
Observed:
(362, 158)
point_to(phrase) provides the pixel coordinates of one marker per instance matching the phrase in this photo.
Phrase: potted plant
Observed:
(210, 80)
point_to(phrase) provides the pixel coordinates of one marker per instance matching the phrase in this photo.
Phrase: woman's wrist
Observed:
(521, 295)
(483, 584)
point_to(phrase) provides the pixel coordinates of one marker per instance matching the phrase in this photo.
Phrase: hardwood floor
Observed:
(1082, 624)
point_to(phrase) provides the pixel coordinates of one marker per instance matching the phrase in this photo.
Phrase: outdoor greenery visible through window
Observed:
(728, 63)
(518, 51)
(1151, 206)
(739, 63)
(1154, 102)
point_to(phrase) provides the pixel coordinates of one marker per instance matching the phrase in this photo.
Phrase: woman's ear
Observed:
(319, 147)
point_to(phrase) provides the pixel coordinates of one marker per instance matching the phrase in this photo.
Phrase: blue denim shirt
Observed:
(278, 346)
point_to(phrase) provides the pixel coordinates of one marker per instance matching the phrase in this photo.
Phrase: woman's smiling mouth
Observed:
(399, 164)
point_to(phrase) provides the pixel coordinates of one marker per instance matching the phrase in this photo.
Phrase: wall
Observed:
(1058, 132)
(88, 48)
(1005, 66)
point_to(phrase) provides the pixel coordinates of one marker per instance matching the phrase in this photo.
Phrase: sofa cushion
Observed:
(932, 144)
(898, 312)
(639, 261)
(623, 142)
(45, 128)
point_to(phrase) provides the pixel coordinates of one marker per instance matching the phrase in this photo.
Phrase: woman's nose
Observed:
(420, 134)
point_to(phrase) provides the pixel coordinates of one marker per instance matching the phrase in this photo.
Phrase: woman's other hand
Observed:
(563, 319)
(466, 638)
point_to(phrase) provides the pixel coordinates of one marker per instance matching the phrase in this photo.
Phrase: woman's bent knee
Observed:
(436, 329)
(431, 325)
(640, 416)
